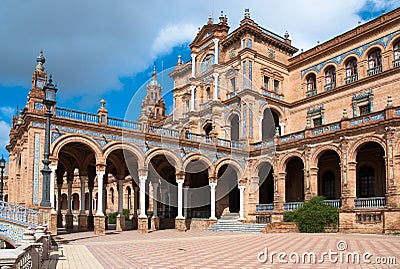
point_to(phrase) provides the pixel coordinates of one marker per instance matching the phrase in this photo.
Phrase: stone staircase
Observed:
(229, 223)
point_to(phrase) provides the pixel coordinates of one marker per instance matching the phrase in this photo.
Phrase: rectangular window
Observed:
(251, 120)
(266, 83)
(317, 122)
(250, 74)
(244, 75)
(276, 85)
(243, 43)
(250, 43)
(233, 85)
(365, 109)
(244, 120)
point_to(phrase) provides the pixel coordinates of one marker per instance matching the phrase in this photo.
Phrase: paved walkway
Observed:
(196, 249)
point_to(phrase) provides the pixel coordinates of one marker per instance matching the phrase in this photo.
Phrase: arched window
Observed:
(328, 185)
(351, 71)
(207, 63)
(235, 128)
(374, 62)
(330, 78)
(366, 181)
(396, 54)
(208, 93)
(311, 85)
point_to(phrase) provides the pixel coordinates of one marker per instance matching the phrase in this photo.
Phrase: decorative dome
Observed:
(154, 82)
(40, 61)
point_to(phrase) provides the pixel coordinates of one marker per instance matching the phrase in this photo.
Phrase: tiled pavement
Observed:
(195, 249)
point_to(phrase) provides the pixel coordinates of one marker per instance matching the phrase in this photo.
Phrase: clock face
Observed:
(40, 83)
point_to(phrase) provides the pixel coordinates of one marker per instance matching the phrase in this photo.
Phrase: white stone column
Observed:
(180, 198)
(193, 65)
(82, 209)
(173, 109)
(185, 201)
(53, 169)
(213, 185)
(69, 183)
(120, 195)
(142, 182)
(215, 75)
(216, 50)
(282, 125)
(155, 194)
(241, 210)
(192, 98)
(135, 200)
(100, 178)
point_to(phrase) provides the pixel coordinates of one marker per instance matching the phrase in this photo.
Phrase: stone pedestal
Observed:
(180, 225)
(90, 222)
(99, 225)
(53, 224)
(143, 225)
(82, 223)
(277, 216)
(120, 223)
(69, 220)
(59, 220)
(44, 215)
(155, 223)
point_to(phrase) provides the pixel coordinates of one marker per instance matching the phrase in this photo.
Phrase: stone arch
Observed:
(347, 57)
(169, 154)
(329, 65)
(309, 73)
(286, 158)
(125, 146)
(56, 147)
(321, 150)
(197, 156)
(276, 108)
(238, 168)
(259, 163)
(393, 40)
(352, 152)
(370, 49)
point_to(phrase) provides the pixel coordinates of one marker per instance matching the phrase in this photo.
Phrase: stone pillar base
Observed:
(277, 217)
(143, 225)
(82, 223)
(53, 224)
(99, 225)
(155, 223)
(69, 219)
(59, 220)
(90, 222)
(180, 225)
(120, 223)
(44, 216)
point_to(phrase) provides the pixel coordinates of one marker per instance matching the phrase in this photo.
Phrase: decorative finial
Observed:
(389, 101)
(102, 102)
(154, 72)
(345, 116)
(276, 131)
(286, 36)
(247, 13)
(210, 20)
(308, 125)
(40, 61)
(221, 17)
(179, 59)
(19, 121)
(383, 11)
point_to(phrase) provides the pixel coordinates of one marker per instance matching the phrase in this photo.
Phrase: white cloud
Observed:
(7, 112)
(4, 132)
(172, 35)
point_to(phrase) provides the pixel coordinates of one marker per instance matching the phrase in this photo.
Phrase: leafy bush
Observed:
(112, 218)
(126, 213)
(314, 216)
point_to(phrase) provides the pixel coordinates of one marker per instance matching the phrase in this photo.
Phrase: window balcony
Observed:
(375, 70)
(372, 202)
(330, 86)
(351, 79)
(311, 93)
(291, 206)
(396, 63)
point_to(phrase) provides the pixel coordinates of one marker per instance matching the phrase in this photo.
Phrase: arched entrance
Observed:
(329, 175)
(266, 184)
(227, 191)
(196, 191)
(235, 128)
(269, 124)
(294, 189)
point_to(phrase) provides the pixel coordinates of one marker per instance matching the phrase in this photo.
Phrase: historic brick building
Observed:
(255, 131)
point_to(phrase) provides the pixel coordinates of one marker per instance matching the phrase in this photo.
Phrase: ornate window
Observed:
(311, 85)
(266, 83)
(316, 116)
(351, 71)
(363, 103)
(374, 62)
(207, 63)
(276, 85)
(208, 93)
(330, 78)
(396, 54)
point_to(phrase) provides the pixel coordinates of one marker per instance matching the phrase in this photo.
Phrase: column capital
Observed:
(101, 167)
(180, 181)
(192, 87)
(215, 75)
(142, 178)
(100, 174)
(180, 175)
(242, 187)
(142, 172)
(215, 40)
(213, 185)
(193, 55)
(53, 167)
(212, 179)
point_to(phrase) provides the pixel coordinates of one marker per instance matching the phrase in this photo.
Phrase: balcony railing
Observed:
(124, 124)
(272, 94)
(291, 137)
(76, 115)
(373, 202)
(351, 79)
(335, 203)
(377, 116)
(198, 138)
(330, 86)
(326, 129)
(396, 63)
(374, 71)
(311, 93)
(19, 214)
(291, 206)
(161, 131)
(264, 207)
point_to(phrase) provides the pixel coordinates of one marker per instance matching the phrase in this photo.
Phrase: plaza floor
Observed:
(197, 249)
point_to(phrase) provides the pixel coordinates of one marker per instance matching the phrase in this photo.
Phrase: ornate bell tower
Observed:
(153, 105)
(39, 76)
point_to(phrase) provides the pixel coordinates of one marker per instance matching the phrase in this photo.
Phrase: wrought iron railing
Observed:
(372, 202)
(351, 79)
(375, 70)
(291, 206)
(330, 86)
(19, 214)
(396, 63)
(311, 93)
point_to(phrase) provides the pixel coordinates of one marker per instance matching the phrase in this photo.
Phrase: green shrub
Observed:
(112, 218)
(314, 216)
(126, 213)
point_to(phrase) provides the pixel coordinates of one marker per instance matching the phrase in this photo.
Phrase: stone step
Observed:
(235, 226)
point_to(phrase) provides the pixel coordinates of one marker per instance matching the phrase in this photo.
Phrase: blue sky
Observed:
(107, 50)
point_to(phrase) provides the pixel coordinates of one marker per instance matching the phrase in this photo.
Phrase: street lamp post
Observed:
(49, 101)
(2, 166)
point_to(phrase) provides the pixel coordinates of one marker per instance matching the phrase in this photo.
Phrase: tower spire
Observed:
(154, 72)
(40, 61)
